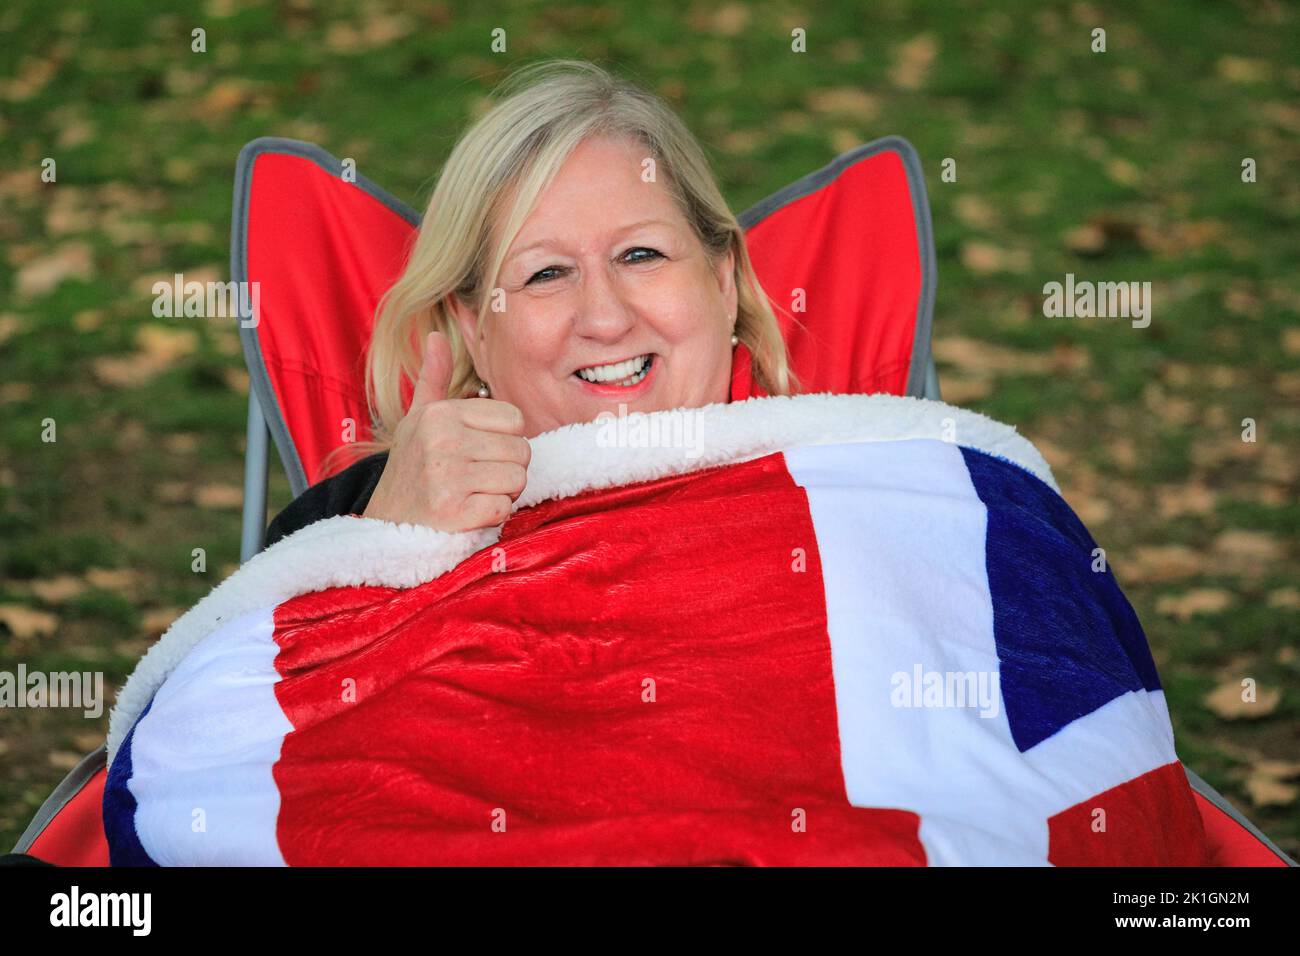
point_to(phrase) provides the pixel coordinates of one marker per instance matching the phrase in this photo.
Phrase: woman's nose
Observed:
(603, 313)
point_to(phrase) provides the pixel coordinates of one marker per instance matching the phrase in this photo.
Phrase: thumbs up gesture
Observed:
(455, 464)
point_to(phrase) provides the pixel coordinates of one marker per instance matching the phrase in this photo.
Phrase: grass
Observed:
(1047, 135)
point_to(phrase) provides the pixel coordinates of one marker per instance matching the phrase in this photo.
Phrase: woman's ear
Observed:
(466, 320)
(726, 275)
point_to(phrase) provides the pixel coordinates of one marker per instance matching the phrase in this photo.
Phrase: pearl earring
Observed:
(735, 340)
(483, 390)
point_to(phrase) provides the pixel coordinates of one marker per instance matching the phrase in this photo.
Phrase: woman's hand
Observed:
(455, 464)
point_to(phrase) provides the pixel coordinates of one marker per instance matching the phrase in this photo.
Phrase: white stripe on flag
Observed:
(900, 531)
(901, 534)
(208, 744)
(1103, 749)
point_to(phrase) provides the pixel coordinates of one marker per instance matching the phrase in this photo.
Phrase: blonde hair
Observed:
(543, 112)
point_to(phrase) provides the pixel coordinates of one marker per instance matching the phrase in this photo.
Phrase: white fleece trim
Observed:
(336, 552)
(577, 458)
(347, 551)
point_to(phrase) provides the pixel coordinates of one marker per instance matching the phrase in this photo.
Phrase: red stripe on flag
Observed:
(1151, 820)
(501, 714)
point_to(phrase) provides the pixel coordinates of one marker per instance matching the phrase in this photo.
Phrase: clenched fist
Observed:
(455, 464)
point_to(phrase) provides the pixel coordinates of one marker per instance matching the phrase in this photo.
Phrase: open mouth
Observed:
(623, 374)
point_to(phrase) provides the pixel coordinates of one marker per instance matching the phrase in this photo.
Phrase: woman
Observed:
(642, 245)
(602, 607)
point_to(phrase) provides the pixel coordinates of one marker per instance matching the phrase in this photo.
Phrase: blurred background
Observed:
(1125, 165)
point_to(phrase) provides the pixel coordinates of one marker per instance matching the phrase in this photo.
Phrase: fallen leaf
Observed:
(159, 348)
(794, 121)
(742, 140)
(1287, 384)
(75, 134)
(224, 97)
(1058, 457)
(25, 622)
(962, 390)
(1156, 564)
(113, 579)
(156, 621)
(1241, 301)
(1170, 409)
(29, 79)
(984, 257)
(1213, 451)
(844, 101)
(12, 392)
(172, 492)
(847, 50)
(181, 443)
(1275, 496)
(9, 326)
(729, 19)
(1265, 791)
(1194, 499)
(975, 212)
(236, 379)
(1069, 358)
(66, 212)
(1285, 598)
(1240, 69)
(1185, 606)
(382, 29)
(343, 38)
(1226, 701)
(982, 358)
(72, 260)
(1123, 172)
(843, 140)
(1091, 510)
(1129, 80)
(1086, 240)
(1101, 233)
(88, 741)
(219, 496)
(1123, 453)
(912, 61)
(1281, 769)
(1285, 115)
(57, 590)
(1246, 552)
(1179, 238)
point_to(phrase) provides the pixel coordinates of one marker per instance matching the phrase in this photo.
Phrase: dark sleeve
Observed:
(346, 493)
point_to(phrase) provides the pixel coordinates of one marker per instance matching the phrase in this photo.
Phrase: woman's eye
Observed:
(536, 274)
(654, 254)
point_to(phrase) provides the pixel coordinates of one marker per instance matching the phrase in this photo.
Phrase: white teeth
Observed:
(626, 373)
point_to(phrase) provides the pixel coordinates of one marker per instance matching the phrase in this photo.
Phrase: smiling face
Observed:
(610, 299)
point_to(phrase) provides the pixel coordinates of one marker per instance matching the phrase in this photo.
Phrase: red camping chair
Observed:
(854, 235)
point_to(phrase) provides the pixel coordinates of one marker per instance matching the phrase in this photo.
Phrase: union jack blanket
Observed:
(828, 629)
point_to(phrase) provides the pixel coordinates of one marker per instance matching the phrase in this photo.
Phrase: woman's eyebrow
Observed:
(619, 232)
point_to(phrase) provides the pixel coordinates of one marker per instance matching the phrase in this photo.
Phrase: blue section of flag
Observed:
(1067, 638)
(124, 846)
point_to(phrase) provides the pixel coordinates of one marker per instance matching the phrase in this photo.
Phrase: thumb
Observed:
(435, 371)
